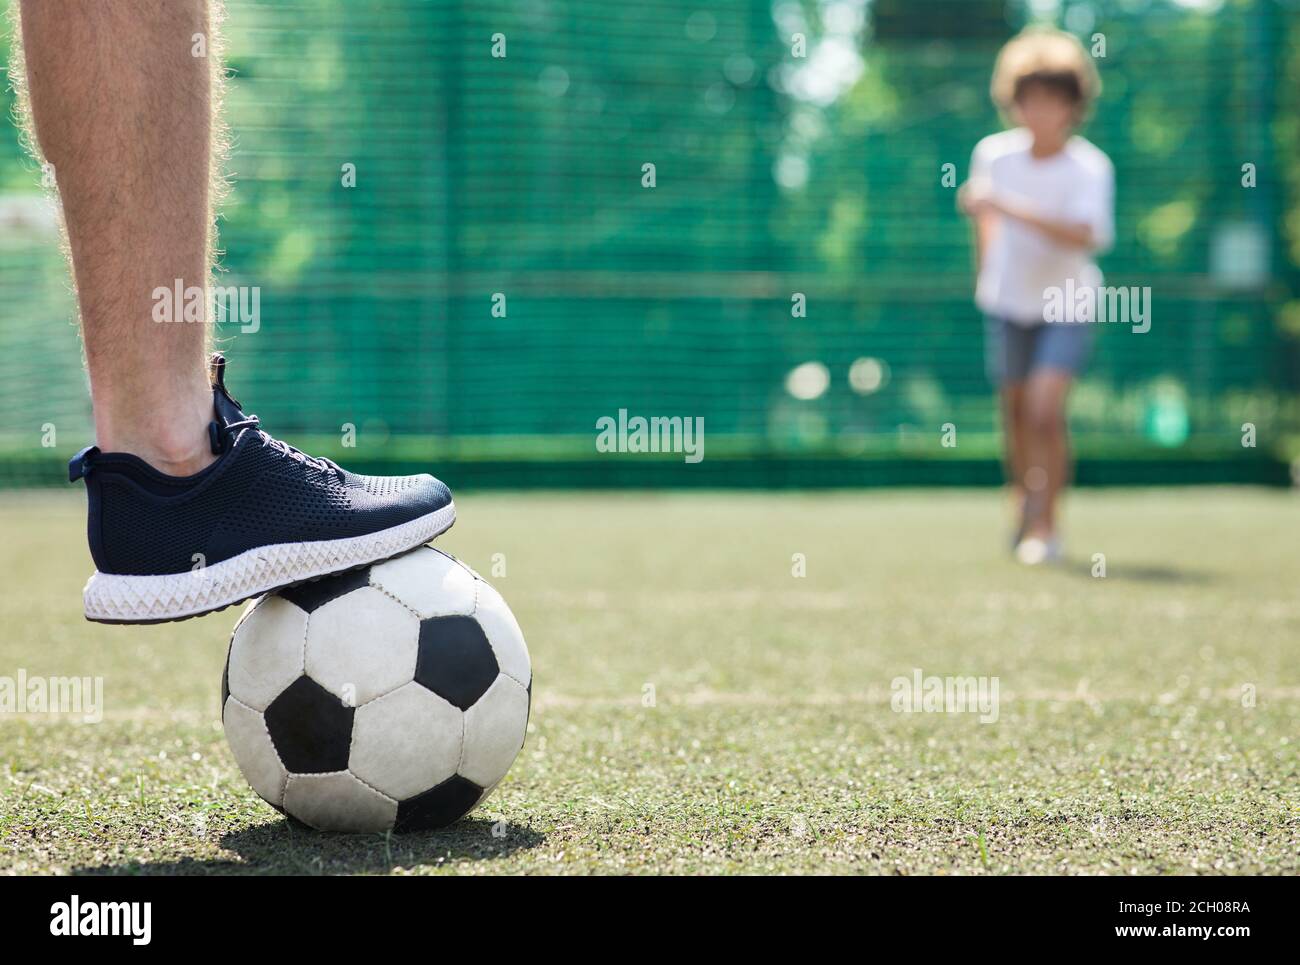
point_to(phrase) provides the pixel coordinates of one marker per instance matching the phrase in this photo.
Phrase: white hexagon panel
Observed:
(266, 651)
(430, 582)
(503, 633)
(254, 752)
(494, 732)
(338, 802)
(361, 645)
(407, 741)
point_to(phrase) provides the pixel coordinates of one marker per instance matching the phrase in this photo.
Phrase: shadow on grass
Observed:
(287, 848)
(1141, 574)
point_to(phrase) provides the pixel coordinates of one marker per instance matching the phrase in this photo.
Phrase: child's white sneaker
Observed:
(1035, 551)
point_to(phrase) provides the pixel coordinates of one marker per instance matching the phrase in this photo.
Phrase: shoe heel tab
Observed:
(226, 406)
(217, 375)
(79, 465)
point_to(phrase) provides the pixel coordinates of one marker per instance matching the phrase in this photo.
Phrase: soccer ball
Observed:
(393, 697)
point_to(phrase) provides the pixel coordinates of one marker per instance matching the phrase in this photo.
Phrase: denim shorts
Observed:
(1012, 351)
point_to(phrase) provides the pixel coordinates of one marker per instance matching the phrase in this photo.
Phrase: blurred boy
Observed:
(1040, 198)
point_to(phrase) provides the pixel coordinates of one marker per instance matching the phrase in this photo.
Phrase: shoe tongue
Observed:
(224, 405)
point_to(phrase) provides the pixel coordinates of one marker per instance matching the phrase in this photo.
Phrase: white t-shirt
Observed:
(1075, 185)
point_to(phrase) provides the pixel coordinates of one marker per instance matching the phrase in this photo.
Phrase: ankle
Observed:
(176, 445)
(177, 460)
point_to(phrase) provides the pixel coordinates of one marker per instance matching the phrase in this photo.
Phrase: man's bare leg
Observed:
(121, 94)
(122, 108)
(1048, 449)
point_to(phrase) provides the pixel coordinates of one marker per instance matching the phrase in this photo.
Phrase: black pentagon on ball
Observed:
(310, 728)
(455, 661)
(316, 593)
(439, 806)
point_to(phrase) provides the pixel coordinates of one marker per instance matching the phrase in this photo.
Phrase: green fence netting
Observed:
(516, 182)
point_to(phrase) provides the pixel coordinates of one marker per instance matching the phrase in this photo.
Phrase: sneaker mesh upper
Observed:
(145, 523)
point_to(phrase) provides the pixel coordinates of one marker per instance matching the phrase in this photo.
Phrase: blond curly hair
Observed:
(1047, 56)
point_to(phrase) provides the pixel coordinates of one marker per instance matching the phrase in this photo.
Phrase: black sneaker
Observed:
(262, 517)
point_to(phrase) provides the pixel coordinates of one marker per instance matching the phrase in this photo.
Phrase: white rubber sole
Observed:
(113, 598)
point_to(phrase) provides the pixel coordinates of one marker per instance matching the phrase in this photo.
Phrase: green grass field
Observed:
(1123, 743)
